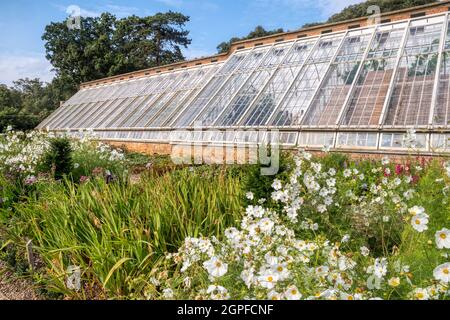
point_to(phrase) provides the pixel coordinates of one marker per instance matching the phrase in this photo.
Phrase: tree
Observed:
(30, 101)
(106, 46)
(257, 33)
(360, 10)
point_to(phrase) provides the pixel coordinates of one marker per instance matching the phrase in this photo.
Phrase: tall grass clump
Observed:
(116, 232)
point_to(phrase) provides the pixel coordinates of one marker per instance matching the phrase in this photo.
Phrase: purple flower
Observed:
(84, 179)
(30, 180)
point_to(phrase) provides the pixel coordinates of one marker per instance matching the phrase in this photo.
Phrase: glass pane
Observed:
(369, 95)
(295, 104)
(215, 107)
(410, 102)
(253, 86)
(331, 96)
(211, 88)
(277, 87)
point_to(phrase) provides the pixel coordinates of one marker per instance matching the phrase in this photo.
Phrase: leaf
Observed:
(116, 266)
(6, 244)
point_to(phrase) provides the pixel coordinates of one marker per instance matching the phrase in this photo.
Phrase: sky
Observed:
(22, 23)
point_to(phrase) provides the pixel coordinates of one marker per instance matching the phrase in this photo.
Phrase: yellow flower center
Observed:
(420, 295)
(218, 264)
(446, 271)
(280, 268)
(417, 221)
(443, 236)
(350, 298)
(293, 292)
(270, 279)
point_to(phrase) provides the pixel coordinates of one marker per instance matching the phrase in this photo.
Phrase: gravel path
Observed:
(13, 288)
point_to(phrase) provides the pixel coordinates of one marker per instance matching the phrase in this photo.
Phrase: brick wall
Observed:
(243, 155)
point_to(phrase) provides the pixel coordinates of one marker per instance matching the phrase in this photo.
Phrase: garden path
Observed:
(14, 288)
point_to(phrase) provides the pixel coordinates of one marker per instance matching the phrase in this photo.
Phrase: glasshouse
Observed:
(360, 87)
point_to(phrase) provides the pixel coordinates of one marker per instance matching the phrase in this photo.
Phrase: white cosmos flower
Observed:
(256, 211)
(248, 276)
(322, 271)
(266, 225)
(394, 282)
(364, 251)
(345, 239)
(292, 293)
(322, 208)
(347, 173)
(168, 294)
(414, 211)
(249, 195)
(421, 294)
(268, 279)
(380, 267)
(274, 296)
(218, 293)
(281, 271)
(215, 267)
(442, 273)
(443, 239)
(277, 185)
(345, 263)
(420, 222)
(307, 156)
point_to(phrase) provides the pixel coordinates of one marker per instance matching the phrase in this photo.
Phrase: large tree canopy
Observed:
(257, 33)
(106, 46)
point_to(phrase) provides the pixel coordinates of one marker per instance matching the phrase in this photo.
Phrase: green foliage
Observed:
(257, 33)
(360, 9)
(107, 46)
(261, 185)
(30, 101)
(58, 158)
(98, 226)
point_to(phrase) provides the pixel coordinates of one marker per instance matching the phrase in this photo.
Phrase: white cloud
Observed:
(76, 11)
(119, 11)
(14, 67)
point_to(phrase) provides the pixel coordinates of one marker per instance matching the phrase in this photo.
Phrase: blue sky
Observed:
(22, 23)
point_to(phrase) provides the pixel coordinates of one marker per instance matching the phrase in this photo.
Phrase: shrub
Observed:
(58, 158)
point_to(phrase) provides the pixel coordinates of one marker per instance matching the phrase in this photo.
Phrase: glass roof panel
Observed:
(294, 105)
(331, 96)
(410, 103)
(193, 109)
(274, 91)
(257, 81)
(232, 86)
(371, 88)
